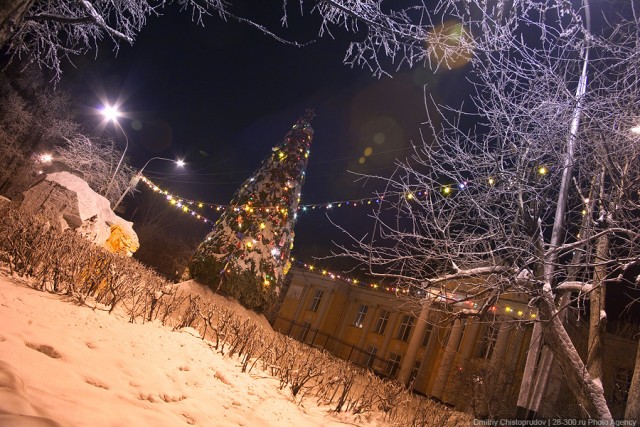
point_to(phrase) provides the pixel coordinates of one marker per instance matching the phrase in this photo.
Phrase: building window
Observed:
(405, 328)
(414, 372)
(621, 386)
(488, 341)
(427, 335)
(359, 320)
(392, 365)
(315, 301)
(370, 356)
(305, 331)
(381, 323)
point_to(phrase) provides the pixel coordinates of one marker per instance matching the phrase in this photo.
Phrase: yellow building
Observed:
(433, 344)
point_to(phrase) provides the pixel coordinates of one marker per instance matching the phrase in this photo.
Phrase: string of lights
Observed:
(459, 299)
(445, 189)
(186, 206)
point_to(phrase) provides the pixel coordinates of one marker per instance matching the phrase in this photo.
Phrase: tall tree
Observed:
(541, 193)
(32, 116)
(246, 256)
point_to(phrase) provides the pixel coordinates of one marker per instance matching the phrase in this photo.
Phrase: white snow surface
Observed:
(67, 365)
(89, 202)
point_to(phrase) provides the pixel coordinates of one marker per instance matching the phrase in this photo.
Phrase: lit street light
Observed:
(46, 158)
(111, 113)
(134, 181)
(635, 129)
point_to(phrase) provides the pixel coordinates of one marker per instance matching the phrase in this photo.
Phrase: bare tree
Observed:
(540, 196)
(47, 32)
(95, 159)
(31, 117)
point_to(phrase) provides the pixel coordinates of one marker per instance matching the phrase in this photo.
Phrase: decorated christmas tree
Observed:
(246, 255)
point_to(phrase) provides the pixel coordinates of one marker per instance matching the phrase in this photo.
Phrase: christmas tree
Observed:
(246, 255)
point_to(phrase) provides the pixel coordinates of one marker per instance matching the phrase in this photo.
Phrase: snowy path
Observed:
(66, 365)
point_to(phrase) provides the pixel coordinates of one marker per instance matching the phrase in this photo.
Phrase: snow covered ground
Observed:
(66, 365)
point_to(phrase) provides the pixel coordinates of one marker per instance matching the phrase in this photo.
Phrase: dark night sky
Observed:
(220, 96)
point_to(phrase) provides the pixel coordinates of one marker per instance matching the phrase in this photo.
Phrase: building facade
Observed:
(432, 344)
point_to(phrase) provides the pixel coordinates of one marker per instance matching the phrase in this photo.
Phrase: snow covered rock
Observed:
(68, 202)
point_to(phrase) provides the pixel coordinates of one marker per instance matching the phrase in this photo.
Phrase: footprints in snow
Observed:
(44, 349)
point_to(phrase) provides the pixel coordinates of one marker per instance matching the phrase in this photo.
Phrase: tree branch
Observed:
(60, 18)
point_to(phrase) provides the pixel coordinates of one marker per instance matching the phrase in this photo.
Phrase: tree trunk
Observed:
(597, 313)
(12, 13)
(633, 398)
(588, 392)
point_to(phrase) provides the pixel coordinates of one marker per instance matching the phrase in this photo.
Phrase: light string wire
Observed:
(446, 189)
(452, 298)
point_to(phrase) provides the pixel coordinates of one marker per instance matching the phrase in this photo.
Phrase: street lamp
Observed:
(134, 181)
(46, 158)
(111, 113)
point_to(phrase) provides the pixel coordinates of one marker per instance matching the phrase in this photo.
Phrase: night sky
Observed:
(220, 96)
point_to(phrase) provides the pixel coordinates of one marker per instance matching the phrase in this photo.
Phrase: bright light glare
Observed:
(180, 163)
(46, 158)
(110, 113)
(635, 129)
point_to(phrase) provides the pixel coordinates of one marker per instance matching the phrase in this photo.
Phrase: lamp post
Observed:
(111, 114)
(134, 181)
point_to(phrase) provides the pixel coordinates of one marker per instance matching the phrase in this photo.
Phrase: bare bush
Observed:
(64, 262)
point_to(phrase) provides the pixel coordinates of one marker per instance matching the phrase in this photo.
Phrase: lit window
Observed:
(359, 320)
